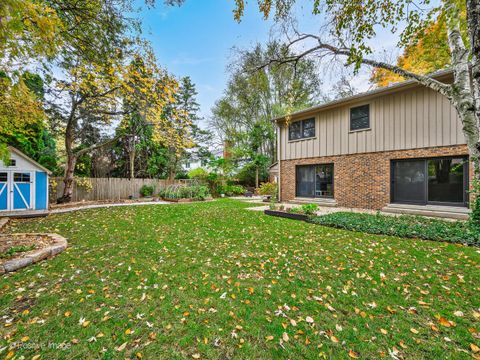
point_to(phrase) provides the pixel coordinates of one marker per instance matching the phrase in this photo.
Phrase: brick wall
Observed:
(362, 180)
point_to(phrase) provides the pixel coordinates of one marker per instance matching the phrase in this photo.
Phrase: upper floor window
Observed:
(360, 118)
(13, 162)
(301, 129)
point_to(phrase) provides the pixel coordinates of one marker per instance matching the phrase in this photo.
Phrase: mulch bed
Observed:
(8, 241)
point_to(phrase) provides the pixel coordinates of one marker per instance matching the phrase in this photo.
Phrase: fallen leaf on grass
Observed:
(121, 347)
(445, 322)
(353, 354)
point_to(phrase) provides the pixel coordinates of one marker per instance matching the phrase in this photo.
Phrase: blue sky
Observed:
(196, 40)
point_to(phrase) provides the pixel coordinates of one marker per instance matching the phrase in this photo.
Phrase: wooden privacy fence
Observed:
(90, 189)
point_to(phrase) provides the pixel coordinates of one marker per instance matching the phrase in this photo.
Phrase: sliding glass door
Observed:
(314, 181)
(442, 181)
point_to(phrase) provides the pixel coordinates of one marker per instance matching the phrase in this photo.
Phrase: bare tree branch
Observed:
(97, 146)
(329, 49)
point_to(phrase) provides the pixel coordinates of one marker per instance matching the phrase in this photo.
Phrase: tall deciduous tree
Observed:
(82, 46)
(201, 138)
(351, 25)
(252, 98)
(425, 53)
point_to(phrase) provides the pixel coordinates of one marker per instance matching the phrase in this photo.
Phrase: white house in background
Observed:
(23, 185)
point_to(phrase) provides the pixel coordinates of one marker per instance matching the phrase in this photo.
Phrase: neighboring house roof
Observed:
(439, 75)
(21, 154)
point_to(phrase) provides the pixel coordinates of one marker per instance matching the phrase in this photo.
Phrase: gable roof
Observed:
(30, 160)
(404, 85)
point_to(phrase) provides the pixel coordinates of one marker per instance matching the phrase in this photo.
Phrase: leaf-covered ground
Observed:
(213, 280)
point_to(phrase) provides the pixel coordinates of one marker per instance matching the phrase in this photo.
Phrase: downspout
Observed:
(279, 158)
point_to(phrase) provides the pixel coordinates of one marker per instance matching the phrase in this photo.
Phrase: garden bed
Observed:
(187, 200)
(20, 250)
(406, 226)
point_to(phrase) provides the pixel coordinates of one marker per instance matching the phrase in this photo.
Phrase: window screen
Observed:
(360, 118)
(3, 176)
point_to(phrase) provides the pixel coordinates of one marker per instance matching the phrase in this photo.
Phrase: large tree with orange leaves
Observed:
(426, 52)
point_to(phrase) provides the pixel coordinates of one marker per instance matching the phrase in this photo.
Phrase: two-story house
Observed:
(398, 148)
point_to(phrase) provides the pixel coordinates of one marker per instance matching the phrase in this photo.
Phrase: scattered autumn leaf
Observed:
(353, 354)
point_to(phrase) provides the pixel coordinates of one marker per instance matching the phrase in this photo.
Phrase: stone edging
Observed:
(59, 245)
(3, 222)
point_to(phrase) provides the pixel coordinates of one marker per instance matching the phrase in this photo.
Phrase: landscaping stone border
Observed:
(3, 222)
(59, 245)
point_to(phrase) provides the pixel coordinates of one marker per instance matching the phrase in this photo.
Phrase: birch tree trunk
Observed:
(473, 22)
(465, 89)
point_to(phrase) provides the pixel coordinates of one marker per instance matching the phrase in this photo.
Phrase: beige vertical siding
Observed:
(411, 119)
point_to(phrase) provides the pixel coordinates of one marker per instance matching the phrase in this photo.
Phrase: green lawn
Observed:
(213, 280)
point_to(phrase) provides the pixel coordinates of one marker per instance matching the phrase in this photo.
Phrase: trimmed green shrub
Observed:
(198, 193)
(231, 190)
(403, 226)
(147, 190)
(267, 188)
(309, 209)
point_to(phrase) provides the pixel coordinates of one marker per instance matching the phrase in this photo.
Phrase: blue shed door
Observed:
(21, 190)
(3, 190)
(41, 190)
